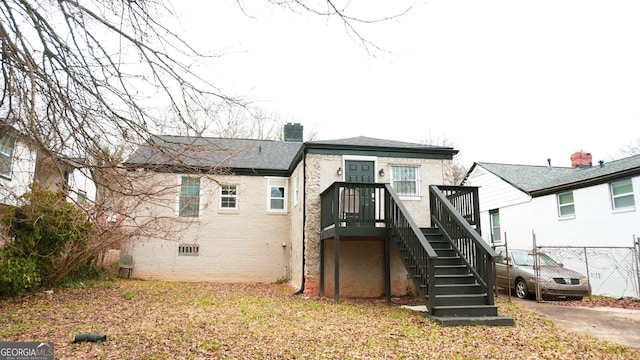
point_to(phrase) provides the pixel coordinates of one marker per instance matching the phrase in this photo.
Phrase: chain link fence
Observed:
(611, 271)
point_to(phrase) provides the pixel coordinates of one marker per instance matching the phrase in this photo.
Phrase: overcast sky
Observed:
(504, 81)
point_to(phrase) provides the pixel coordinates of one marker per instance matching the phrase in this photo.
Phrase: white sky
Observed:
(505, 81)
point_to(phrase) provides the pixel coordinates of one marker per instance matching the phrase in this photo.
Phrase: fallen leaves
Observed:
(210, 320)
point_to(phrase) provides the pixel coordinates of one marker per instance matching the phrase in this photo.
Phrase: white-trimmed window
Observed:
(7, 145)
(494, 219)
(566, 207)
(296, 190)
(277, 194)
(622, 194)
(406, 180)
(189, 204)
(229, 197)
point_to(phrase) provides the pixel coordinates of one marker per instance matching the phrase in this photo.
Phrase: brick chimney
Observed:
(293, 132)
(581, 159)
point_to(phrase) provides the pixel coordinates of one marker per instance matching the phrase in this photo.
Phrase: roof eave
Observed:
(345, 149)
(585, 183)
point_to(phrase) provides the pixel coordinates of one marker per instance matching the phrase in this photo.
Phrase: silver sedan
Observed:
(553, 279)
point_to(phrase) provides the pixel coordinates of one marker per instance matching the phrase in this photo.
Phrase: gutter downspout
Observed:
(304, 220)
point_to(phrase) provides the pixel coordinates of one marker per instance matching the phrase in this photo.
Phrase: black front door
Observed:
(358, 171)
(363, 197)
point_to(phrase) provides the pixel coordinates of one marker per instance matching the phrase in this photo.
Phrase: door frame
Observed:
(373, 159)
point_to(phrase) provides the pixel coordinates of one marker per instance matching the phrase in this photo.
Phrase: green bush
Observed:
(18, 275)
(48, 240)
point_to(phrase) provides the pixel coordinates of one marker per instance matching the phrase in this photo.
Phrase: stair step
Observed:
(464, 310)
(459, 289)
(461, 299)
(449, 260)
(451, 270)
(473, 320)
(446, 253)
(440, 245)
(431, 231)
(455, 279)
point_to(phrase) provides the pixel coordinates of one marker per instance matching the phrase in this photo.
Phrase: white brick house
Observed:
(249, 210)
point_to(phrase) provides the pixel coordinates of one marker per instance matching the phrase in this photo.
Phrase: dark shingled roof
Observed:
(167, 152)
(210, 153)
(541, 180)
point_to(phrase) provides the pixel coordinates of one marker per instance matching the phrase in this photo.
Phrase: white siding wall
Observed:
(243, 245)
(80, 180)
(594, 224)
(22, 174)
(495, 193)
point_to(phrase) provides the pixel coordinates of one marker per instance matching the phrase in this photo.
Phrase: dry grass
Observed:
(159, 320)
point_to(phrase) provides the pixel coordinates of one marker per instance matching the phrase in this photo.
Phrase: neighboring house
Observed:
(582, 206)
(318, 214)
(70, 176)
(18, 157)
(22, 164)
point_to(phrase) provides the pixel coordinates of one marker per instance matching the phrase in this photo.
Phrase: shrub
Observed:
(18, 275)
(48, 239)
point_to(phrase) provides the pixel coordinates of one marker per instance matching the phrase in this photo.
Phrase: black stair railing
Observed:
(465, 200)
(457, 215)
(416, 252)
(453, 209)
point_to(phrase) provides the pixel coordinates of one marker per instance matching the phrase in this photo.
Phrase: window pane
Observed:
(623, 187)
(566, 198)
(496, 234)
(189, 196)
(228, 202)
(623, 202)
(567, 210)
(5, 165)
(277, 192)
(495, 226)
(7, 144)
(495, 220)
(229, 190)
(277, 204)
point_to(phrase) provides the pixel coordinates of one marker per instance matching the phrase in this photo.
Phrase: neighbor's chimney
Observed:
(293, 132)
(581, 159)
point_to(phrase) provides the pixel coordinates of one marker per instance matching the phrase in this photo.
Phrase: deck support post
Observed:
(387, 270)
(321, 267)
(336, 274)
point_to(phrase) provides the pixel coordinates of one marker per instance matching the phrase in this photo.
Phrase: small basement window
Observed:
(188, 250)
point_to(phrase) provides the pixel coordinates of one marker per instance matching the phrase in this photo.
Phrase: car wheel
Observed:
(522, 291)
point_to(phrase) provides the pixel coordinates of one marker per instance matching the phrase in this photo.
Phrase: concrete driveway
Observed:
(620, 326)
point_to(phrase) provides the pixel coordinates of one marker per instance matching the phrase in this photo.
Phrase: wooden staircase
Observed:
(457, 298)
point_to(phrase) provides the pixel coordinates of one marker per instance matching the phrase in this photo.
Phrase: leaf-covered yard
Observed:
(160, 320)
